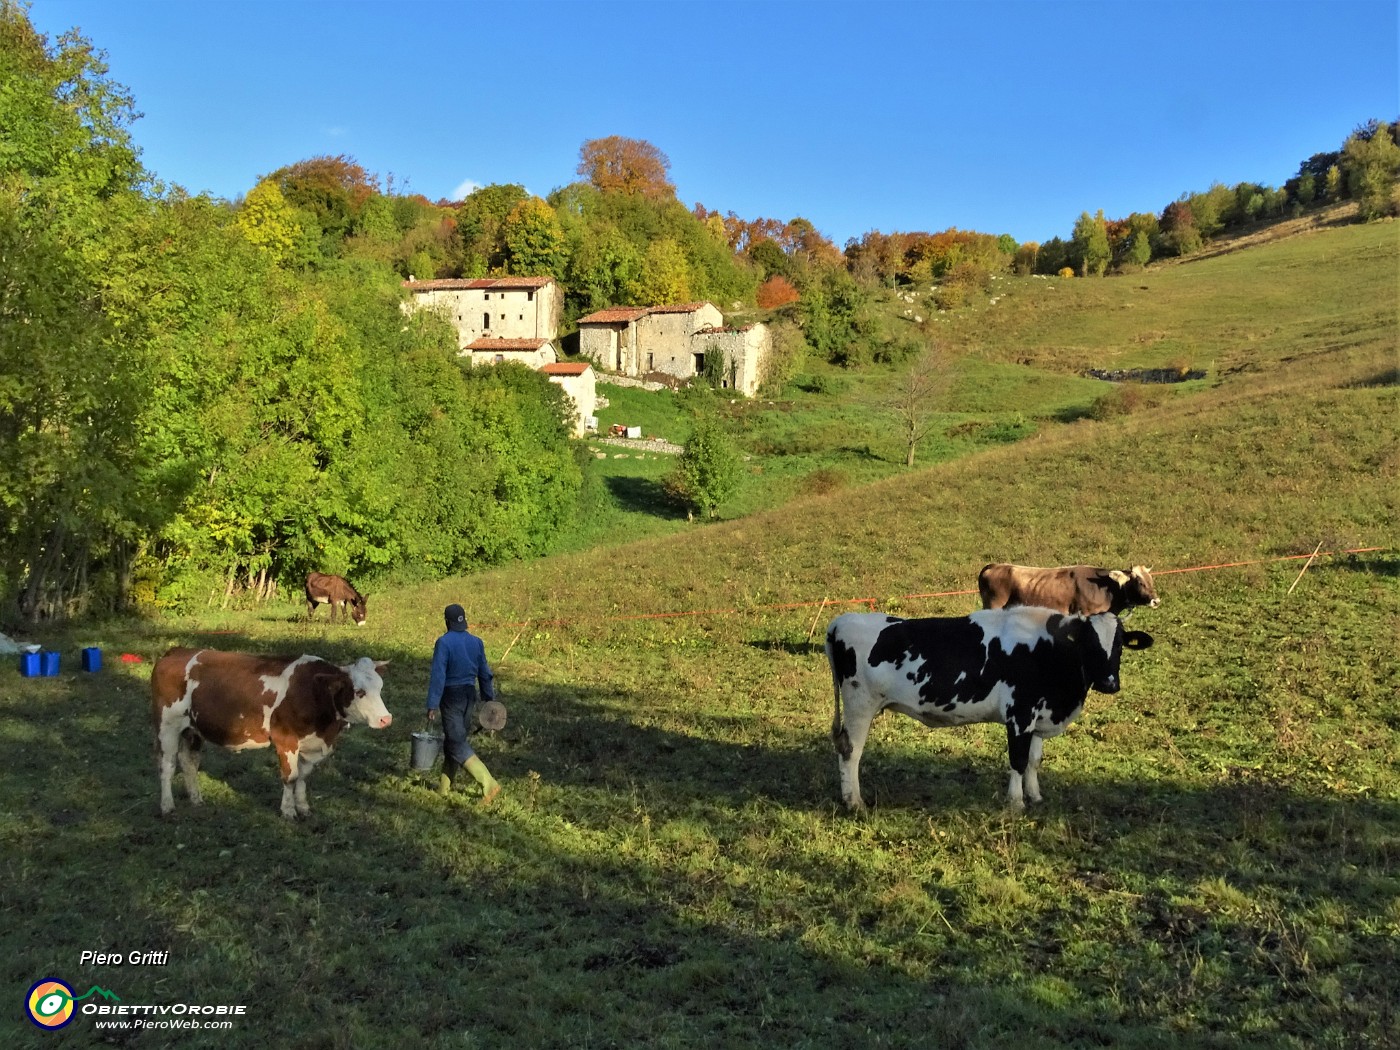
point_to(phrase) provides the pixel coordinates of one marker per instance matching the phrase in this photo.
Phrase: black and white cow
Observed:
(1028, 668)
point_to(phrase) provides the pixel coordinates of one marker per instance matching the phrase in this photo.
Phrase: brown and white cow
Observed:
(298, 704)
(1080, 590)
(335, 591)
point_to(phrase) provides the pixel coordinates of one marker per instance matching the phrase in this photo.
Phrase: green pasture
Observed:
(1216, 864)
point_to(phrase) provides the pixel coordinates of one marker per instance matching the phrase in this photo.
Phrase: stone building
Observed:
(493, 307)
(673, 340)
(580, 382)
(608, 338)
(746, 350)
(535, 353)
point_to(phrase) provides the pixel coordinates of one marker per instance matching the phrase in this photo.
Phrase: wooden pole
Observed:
(512, 644)
(1305, 565)
(815, 620)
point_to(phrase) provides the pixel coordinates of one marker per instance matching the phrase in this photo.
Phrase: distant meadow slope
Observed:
(1290, 440)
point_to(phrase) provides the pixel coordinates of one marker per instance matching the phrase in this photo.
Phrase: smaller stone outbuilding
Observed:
(673, 340)
(609, 339)
(745, 351)
(580, 382)
(533, 353)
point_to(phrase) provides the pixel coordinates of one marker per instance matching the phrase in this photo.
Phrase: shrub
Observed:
(1121, 401)
(821, 384)
(1066, 271)
(775, 292)
(950, 296)
(820, 482)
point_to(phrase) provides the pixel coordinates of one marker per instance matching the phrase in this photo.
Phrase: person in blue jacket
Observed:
(459, 669)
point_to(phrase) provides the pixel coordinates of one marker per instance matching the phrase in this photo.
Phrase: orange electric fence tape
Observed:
(872, 602)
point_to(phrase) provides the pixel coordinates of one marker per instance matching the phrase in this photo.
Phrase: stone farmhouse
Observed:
(674, 340)
(495, 308)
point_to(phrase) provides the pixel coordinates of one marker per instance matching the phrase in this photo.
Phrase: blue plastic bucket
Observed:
(92, 659)
(29, 665)
(49, 662)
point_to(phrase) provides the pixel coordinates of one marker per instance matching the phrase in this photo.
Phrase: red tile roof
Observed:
(622, 314)
(461, 284)
(487, 344)
(679, 308)
(615, 315)
(565, 368)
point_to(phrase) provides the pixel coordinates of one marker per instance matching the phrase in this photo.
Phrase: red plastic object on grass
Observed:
(131, 658)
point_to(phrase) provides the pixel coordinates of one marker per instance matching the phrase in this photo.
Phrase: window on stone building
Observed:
(485, 320)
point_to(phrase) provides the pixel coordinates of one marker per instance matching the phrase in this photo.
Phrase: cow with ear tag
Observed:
(1080, 589)
(1028, 668)
(298, 705)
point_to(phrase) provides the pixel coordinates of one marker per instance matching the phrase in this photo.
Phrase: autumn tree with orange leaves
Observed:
(776, 291)
(622, 165)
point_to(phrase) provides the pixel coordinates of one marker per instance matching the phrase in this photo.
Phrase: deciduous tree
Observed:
(621, 165)
(534, 240)
(1091, 244)
(665, 274)
(1372, 165)
(775, 292)
(915, 405)
(708, 470)
(269, 223)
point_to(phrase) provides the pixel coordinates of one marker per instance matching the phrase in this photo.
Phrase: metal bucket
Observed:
(426, 748)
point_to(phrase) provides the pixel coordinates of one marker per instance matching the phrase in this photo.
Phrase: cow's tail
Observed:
(839, 738)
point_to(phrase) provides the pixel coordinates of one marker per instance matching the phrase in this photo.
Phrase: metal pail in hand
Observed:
(425, 750)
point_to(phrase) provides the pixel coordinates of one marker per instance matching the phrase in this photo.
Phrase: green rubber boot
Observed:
(449, 773)
(489, 788)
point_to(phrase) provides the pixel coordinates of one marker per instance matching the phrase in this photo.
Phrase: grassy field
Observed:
(1217, 863)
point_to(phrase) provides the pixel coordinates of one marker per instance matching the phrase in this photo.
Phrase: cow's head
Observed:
(366, 705)
(1136, 587)
(1100, 650)
(1140, 588)
(358, 606)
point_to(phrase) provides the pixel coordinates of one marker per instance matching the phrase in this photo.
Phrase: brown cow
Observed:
(335, 591)
(298, 704)
(1081, 590)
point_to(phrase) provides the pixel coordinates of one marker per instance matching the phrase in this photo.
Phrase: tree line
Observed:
(199, 401)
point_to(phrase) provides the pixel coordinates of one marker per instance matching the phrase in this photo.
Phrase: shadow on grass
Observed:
(793, 648)
(642, 496)
(633, 883)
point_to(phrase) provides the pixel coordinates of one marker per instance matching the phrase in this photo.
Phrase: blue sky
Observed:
(1001, 117)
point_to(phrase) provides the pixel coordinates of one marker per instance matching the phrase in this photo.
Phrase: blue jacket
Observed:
(459, 658)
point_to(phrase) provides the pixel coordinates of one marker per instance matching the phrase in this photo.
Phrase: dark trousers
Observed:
(457, 704)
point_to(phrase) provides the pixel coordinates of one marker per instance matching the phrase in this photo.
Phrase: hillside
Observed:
(1298, 341)
(1214, 864)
